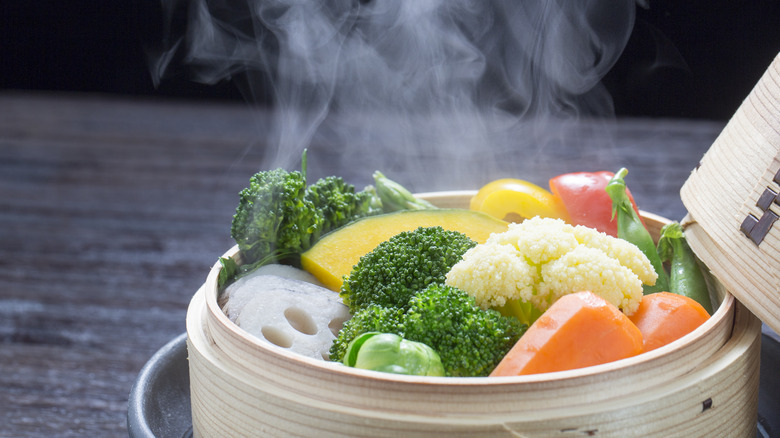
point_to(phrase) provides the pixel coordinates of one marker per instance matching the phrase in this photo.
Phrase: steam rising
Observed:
(451, 87)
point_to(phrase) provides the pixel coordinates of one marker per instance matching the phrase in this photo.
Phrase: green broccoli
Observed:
(278, 217)
(469, 340)
(397, 268)
(372, 318)
(338, 204)
(273, 219)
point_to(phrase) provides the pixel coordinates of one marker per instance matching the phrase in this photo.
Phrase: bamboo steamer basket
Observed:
(704, 383)
(733, 202)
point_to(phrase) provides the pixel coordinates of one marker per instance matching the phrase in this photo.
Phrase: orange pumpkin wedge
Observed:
(334, 255)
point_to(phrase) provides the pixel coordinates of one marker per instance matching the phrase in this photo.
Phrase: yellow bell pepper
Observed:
(514, 200)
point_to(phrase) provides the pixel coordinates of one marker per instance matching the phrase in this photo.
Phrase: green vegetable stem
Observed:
(390, 353)
(631, 229)
(685, 275)
(395, 197)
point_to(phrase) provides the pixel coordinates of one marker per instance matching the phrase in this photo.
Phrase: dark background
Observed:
(690, 59)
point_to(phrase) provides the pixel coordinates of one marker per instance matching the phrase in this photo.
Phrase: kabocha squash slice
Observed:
(334, 255)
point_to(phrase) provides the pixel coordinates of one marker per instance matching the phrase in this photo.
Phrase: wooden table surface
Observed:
(112, 210)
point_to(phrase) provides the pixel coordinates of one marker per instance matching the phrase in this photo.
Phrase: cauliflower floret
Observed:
(542, 259)
(538, 240)
(626, 252)
(497, 274)
(585, 268)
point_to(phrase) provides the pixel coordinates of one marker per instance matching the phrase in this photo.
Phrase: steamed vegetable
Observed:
(408, 262)
(334, 255)
(282, 307)
(586, 202)
(631, 228)
(338, 204)
(664, 317)
(396, 197)
(469, 340)
(373, 318)
(540, 260)
(433, 291)
(579, 330)
(390, 353)
(685, 275)
(278, 217)
(514, 200)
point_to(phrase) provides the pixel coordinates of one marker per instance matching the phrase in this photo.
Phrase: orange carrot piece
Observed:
(664, 317)
(578, 330)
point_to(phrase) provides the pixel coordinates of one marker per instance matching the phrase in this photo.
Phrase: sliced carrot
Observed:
(664, 317)
(578, 330)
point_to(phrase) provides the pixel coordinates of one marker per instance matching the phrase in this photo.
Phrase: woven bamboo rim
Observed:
(243, 386)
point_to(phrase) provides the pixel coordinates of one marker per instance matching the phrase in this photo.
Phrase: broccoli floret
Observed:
(273, 219)
(370, 319)
(396, 269)
(278, 217)
(338, 204)
(470, 341)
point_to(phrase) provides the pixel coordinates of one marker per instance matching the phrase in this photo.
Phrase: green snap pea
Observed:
(685, 275)
(631, 229)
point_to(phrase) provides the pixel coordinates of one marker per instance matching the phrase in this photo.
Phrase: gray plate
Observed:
(159, 404)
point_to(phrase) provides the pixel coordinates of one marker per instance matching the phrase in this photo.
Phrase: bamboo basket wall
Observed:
(733, 202)
(705, 383)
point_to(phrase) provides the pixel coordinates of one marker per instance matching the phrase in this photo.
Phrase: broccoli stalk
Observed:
(524, 311)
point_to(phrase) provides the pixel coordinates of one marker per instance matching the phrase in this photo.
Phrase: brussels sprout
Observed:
(390, 353)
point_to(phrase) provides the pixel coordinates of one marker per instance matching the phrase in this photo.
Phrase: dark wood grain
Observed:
(112, 212)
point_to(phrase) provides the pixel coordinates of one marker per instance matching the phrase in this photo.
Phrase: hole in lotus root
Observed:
(277, 337)
(300, 320)
(335, 325)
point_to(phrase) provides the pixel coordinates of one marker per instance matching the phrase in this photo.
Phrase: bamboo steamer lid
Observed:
(733, 202)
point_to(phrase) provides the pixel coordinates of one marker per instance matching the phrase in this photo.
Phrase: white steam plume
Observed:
(449, 82)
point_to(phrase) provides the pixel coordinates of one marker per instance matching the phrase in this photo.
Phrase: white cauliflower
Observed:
(539, 260)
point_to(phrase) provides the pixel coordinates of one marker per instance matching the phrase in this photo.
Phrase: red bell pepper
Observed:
(586, 200)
